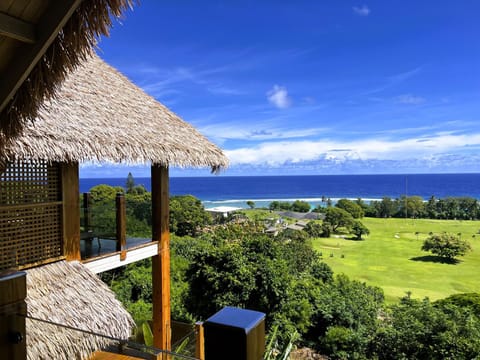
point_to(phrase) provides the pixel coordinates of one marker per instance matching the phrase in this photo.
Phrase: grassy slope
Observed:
(386, 261)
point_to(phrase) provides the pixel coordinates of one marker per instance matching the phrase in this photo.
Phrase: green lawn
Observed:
(390, 257)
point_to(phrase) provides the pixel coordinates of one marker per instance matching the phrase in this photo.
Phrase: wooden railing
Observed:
(92, 231)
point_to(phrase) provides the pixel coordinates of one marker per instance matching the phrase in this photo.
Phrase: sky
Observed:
(311, 87)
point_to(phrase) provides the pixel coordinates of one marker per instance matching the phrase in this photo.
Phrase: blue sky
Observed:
(312, 87)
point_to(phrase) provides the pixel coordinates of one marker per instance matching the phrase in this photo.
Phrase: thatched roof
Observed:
(69, 294)
(41, 43)
(100, 116)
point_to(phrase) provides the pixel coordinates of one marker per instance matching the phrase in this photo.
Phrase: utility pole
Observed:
(406, 197)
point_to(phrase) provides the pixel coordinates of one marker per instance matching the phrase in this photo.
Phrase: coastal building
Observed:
(98, 115)
(222, 211)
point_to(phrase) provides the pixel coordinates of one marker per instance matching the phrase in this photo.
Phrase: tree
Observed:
(359, 229)
(100, 194)
(465, 300)
(300, 206)
(314, 229)
(362, 204)
(329, 202)
(337, 217)
(412, 206)
(279, 278)
(351, 207)
(138, 190)
(385, 208)
(251, 204)
(103, 208)
(280, 205)
(445, 245)
(350, 309)
(187, 215)
(431, 208)
(319, 209)
(130, 184)
(326, 229)
(418, 329)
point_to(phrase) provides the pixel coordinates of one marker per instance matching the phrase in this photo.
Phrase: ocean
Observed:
(237, 190)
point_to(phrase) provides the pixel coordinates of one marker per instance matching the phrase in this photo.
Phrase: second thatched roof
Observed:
(100, 116)
(71, 313)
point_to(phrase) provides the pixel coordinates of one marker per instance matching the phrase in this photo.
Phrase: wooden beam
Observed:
(161, 263)
(16, 29)
(112, 261)
(71, 211)
(53, 20)
(121, 217)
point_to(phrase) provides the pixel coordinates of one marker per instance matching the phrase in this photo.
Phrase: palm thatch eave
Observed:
(73, 43)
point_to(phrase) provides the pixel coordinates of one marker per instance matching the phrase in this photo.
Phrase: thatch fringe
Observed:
(72, 46)
(100, 116)
(67, 293)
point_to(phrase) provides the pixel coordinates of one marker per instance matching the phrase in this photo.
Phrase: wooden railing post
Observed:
(199, 341)
(161, 263)
(87, 214)
(87, 223)
(121, 226)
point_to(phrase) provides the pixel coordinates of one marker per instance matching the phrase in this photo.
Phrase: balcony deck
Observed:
(94, 247)
(108, 258)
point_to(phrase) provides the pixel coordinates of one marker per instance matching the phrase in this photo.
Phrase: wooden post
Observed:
(13, 309)
(87, 223)
(161, 262)
(199, 341)
(71, 211)
(121, 226)
(87, 214)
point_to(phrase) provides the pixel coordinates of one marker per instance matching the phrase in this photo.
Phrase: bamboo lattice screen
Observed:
(30, 214)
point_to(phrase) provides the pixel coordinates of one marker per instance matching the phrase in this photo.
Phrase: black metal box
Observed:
(235, 334)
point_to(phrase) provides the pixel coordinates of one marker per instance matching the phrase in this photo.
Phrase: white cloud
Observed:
(278, 96)
(281, 152)
(362, 11)
(410, 99)
(222, 132)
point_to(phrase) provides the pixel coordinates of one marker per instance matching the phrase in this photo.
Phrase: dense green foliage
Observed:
(187, 215)
(351, 207)
(236, 264)
(297, 205)
(338, 218)
(417, 329)
(346, 317)
(465, 208)
(446, 245)
(468, 300)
